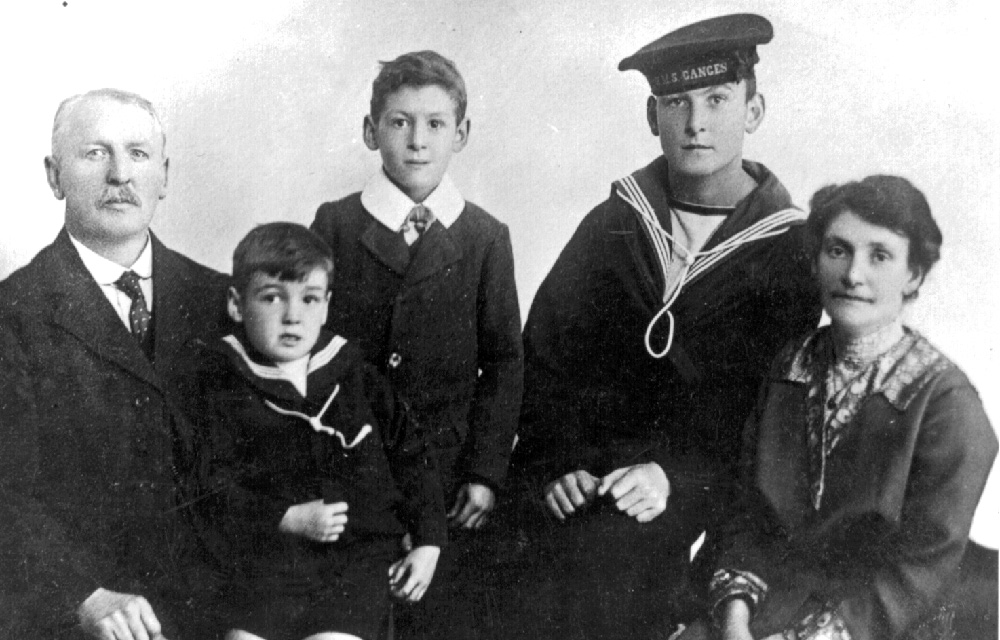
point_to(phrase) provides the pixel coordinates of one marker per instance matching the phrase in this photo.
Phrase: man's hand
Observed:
(472, 506)
(315, 520)
(571, 492)
(410, 577)
(640, 491)
(109, 615)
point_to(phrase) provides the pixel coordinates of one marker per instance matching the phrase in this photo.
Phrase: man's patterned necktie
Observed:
(138, 315)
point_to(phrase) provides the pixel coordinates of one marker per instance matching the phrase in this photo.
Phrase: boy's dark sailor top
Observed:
(315, 362)
(438, 316)
(596, 399)
(348, 439)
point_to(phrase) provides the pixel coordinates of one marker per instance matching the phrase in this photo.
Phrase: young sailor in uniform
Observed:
(646, 344)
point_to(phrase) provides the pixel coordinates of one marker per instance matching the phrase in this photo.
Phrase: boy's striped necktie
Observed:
(417, 221)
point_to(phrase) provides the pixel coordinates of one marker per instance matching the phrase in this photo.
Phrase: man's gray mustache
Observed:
(120, 195)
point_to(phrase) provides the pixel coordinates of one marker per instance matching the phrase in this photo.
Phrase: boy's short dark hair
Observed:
(745, 71)
(282, 250)
(419, 69)
(745, 61)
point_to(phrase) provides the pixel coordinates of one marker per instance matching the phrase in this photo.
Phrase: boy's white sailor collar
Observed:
(317, 359)
(390, 206)
(106, 272)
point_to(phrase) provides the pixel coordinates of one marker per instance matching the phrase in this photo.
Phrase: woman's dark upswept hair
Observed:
(891, 202)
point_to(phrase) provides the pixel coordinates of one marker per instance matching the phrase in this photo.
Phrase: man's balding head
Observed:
(108, 163)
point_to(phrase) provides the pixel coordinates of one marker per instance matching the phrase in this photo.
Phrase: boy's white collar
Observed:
(390, 206)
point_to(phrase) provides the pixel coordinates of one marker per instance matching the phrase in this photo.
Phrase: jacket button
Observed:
(394, 360)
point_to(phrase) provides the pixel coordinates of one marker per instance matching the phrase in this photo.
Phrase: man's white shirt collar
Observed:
(390, 206)
(105, 273)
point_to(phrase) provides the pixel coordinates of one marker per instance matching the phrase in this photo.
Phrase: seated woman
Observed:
(867, 453)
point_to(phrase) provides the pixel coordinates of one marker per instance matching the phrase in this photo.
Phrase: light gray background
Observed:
(264, 102)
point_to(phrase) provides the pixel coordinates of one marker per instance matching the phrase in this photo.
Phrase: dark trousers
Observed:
(599, 574)
(459, 605)
(455, 606)
(353, 597)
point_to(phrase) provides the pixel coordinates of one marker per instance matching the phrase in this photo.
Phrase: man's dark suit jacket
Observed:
(92, 444)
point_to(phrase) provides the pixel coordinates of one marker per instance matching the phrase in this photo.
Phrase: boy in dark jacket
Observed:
(315, 471)
(426, 285)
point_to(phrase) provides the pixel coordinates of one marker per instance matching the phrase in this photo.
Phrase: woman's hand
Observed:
(737, 633)
(735, 622)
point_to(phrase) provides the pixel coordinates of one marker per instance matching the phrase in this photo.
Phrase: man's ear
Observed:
(755, 112)
(234, 305)
(368, 132)
(461, 135)
(654, 125)
(52, 175)
(166, 171)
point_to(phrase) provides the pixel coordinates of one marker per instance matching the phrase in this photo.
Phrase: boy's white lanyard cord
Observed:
(318, 426)
(695, 262)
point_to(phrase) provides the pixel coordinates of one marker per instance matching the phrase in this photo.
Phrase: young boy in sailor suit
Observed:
(426, 285)
(314, 471)
(646, 344)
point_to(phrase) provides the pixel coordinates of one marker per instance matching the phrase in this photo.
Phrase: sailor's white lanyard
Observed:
(695, 262)
(318, 426)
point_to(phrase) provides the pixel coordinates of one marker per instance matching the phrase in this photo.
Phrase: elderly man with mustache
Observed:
(97, 336)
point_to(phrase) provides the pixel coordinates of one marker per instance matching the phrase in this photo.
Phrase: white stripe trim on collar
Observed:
(322, 357)
(390, 206)
(319, 359)
(695, 262)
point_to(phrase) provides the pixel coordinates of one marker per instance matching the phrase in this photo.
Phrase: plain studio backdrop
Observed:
(263, 104)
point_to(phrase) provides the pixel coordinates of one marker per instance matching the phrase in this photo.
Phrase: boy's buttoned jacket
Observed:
(444, 326)
(93, 441)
